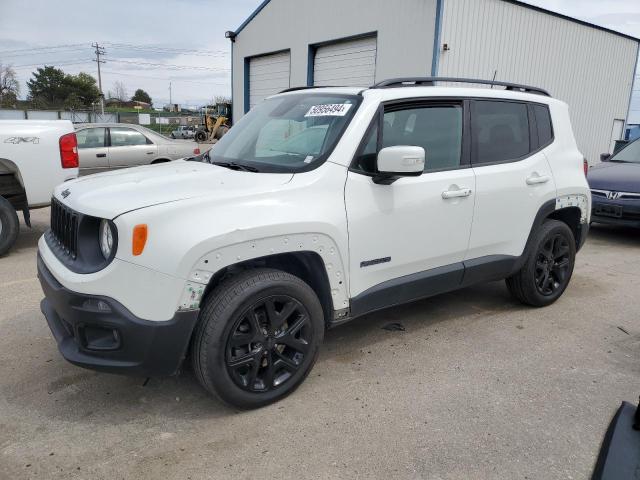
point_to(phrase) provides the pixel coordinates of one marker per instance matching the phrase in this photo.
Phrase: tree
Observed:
(141, 96)
(120, 91)
(9, 86)
(48, 86)
(83, 88)
(51, 87)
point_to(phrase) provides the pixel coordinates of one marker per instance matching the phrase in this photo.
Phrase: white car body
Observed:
(30, 151)
(203, 219)
(106, 146)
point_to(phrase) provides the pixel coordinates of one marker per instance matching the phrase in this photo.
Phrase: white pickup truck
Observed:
(35, 156)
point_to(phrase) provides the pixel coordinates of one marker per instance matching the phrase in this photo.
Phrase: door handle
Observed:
(150, 153)
(462, 192)
(101, 155)
(536, 179)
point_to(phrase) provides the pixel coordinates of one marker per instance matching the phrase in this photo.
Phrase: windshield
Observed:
(288, 133)
(630, 153)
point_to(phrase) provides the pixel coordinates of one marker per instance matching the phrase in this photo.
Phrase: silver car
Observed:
(184, 132)
(105, 146)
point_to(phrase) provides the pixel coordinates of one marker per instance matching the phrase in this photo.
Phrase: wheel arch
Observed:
(306, 265)
(313, 257)
(160, 160)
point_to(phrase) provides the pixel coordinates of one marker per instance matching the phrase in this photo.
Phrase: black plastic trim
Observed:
(140, 347)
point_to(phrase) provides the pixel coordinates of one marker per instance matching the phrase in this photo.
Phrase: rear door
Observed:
(513, 176)
(128, 148)
(92, 149)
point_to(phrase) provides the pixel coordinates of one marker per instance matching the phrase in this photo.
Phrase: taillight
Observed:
(585, 165)
(196, 151)
(69, 151)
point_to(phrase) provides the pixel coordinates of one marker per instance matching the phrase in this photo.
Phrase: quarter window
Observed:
(91, 138)
(543, 122)
(500, 131)
(125, 137)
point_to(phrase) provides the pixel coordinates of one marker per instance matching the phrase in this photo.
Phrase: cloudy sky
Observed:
(150, 43)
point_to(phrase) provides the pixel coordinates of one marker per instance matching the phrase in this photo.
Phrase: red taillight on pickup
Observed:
(69, 151)
(585, 166)
(196, 151)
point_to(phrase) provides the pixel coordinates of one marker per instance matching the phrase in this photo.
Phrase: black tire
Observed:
(173, 136)
(548, 267)
(238, 350)
(200, 136)
(9, 226)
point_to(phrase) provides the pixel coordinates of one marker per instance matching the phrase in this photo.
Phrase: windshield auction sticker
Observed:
(329, 110)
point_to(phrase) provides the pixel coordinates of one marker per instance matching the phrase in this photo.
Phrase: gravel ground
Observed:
(477, 386)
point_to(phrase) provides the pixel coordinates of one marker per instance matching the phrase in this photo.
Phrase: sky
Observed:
(151, 43)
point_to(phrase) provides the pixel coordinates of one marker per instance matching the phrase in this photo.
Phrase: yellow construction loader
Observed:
(217, 122)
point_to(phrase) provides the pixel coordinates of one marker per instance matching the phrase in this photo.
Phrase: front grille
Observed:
(64, 227)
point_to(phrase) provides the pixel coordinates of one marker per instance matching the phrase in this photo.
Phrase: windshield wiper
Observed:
(236, 166)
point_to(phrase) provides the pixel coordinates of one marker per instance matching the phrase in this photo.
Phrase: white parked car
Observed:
(319, 206)
(106, 146)
(184, 131)
(35, 157)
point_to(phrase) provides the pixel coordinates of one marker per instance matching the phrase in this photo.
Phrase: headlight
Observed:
(106, 239)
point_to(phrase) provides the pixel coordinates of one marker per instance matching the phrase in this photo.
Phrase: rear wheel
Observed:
(9, 225)
(548, 266)
(258, 337)
(200, 136)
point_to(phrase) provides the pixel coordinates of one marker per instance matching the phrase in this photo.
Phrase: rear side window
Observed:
(500, 131)
(91, 138)
(126, 137)
(543, 122)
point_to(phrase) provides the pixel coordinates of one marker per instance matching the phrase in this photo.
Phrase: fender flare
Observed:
(214, 261)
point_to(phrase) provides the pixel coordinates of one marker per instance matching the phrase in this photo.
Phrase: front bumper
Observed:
(101, 334)
(629, 212)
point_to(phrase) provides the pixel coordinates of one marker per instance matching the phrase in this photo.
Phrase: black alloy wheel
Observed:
(552, 264)
(268, 343)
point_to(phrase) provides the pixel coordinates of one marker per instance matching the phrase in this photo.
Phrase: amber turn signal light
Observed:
(139, 238)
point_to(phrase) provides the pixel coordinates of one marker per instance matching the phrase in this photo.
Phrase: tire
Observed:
(200, 136)
(173, 136)
(9, 225)
(548, 266)
(231, 355)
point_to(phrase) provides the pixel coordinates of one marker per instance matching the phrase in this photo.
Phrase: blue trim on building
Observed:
(246, 84)
(437, 34)
(311, 56)
(633, 82)
(252, 16)
(232, 97)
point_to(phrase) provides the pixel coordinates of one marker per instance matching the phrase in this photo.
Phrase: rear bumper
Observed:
(99, 333)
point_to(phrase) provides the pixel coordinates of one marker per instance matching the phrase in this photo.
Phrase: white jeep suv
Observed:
(319, 206)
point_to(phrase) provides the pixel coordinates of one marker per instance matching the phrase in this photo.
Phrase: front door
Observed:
(129, 148)
(92, 150)
(408, 239)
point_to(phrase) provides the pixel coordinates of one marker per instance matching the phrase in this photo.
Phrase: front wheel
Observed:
(258, 337)
(548, 266)
(9, 225)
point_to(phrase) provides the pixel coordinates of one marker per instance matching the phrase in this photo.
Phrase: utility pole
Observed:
(170, 102)
(99, 51)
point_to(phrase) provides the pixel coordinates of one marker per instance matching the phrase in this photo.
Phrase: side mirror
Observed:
(399, 161)
(604, 157)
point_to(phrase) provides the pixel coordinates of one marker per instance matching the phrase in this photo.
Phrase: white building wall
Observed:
(588, 68)
(405, 32)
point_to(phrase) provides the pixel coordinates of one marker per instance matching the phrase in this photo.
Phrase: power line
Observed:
(171, 66)
(49, 63)
(173, 79)
(2, 52)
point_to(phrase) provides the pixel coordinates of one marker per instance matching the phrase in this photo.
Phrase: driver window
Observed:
(436, 128)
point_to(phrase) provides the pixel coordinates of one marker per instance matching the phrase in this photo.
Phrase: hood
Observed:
(109, 194)
(615, 176)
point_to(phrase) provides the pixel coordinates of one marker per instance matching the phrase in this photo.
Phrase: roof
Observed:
(515, 2)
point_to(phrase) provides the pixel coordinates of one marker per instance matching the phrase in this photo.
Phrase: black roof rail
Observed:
(295, 89)
(430, 81)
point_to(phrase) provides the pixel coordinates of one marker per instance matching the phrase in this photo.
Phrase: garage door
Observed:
(348, 63)
(268, 75)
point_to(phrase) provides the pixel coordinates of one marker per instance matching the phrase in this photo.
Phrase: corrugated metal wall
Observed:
(590, 69)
